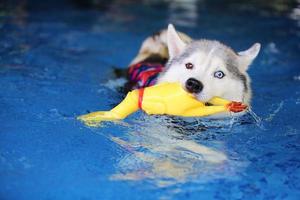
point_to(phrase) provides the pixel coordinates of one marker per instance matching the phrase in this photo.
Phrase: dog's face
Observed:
(208, 68)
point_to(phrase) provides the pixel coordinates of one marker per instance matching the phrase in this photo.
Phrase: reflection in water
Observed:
(295, 13)
(159, 153)
(165, 150)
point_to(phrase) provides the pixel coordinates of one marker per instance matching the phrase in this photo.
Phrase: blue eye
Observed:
(219, 74)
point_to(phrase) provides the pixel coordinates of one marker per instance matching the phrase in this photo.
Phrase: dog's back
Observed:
(150, 62)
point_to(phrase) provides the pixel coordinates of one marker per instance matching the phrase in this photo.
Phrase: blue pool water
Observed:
(56, 61)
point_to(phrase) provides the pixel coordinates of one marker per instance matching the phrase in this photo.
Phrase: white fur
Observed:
(204, 68)
(175, 44)
(205, 65)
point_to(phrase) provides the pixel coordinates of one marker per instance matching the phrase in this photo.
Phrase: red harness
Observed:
(144, 74)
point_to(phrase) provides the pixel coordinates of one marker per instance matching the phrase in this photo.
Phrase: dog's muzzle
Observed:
(193, 85)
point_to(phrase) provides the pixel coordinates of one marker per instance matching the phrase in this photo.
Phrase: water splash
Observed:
(114, 84)
(257, 119)
(275, 112)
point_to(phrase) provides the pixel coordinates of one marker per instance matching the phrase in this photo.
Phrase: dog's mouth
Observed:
(202, 97)
(199, 96)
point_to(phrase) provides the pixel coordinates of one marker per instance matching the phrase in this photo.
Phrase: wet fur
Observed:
(158, 48)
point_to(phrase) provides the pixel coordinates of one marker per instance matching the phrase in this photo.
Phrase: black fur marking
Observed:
(155, 34)
(237, 74)
(120, 72)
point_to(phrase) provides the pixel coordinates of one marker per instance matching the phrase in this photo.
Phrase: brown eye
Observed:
(189, 65)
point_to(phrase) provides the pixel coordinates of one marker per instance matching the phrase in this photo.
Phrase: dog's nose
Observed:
(193, 85)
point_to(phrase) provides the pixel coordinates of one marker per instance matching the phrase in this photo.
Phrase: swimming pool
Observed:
(56, 62)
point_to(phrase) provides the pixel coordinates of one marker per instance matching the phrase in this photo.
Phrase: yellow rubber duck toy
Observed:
(165, 98)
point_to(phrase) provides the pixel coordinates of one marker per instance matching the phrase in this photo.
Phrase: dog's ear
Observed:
(246, 57)
(175, 44)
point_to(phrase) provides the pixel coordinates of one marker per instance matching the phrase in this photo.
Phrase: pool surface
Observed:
(56, 62)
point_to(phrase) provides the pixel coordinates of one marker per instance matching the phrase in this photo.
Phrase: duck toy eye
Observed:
(219, 74)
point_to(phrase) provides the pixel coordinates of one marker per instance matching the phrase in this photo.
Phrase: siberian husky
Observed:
(205, 68)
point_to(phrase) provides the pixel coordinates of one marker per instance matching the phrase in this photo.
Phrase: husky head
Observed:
(208, 68)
